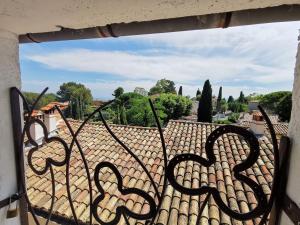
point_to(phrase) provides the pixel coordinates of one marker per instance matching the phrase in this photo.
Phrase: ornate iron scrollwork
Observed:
(251, 159)
(121, 210)
(263, 207)
(49, 161)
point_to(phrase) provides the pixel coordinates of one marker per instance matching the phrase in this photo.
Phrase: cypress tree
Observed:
(77, 109)
(219, 100)
(180, 91)
(145, 118)
(205, 104)
(71, 109)
(118, 119)
(230, 99)
(123, 118)
(198, 93)
(242, 98)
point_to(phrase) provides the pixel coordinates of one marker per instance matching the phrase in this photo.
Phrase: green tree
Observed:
(118, 92)
(242, 98)
(205, 104)
(80, 99)
(198, 95)
(108, 114)
(237, 107)
(254, 97)
(163, 86)
(284, 108)
(139, 112)
(219, 100)
(234, 117)
(123, 119)
(141, 91)
(270, 101)
(180, 91)
(119, 105)
(174, 106)
(230, 99)
(223, 106)
(117, 119)
(46, 99)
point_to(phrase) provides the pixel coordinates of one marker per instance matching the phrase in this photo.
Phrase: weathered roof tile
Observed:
(176, 208)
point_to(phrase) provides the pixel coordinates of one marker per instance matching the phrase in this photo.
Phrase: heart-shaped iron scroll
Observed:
(121, 210)
(251, 159)
(49, 161)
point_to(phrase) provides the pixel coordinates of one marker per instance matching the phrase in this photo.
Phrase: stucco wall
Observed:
(294, 133)
(32, 16)
(9, 76)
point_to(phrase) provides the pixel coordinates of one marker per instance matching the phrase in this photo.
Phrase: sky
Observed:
(252, 59)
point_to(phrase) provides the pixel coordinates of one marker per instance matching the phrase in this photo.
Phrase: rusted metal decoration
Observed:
(252, 157)
(262, 209)
(121, 210)
(49, 161)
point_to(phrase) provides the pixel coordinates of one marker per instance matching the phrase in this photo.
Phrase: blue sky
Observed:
(258, 58)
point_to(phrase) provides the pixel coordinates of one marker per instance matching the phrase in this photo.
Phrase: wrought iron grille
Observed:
(262, 209)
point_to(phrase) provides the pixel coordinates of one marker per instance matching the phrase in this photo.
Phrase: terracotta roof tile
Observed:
(51, 105)
(177, 208)
(281, 129)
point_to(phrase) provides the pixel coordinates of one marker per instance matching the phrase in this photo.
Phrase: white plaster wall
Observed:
(257, 127)
(9, 76)
(36, 131)
(50, 122)
(293, 187)
(31, 16)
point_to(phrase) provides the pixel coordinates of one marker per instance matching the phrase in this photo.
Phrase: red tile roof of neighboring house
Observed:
(279, 128)
(247, 117)
(256, 113)
(51, 105)
(177, 208)
(36, 113)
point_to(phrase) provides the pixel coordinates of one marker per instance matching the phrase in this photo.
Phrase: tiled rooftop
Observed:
(279, 128)
(177, 208)
(51, 105)
(247, 117)
(36, 113)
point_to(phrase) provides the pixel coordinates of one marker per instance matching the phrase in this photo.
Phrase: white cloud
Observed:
(133, 66)
(261, 55)
(180, 68)
(255, 39)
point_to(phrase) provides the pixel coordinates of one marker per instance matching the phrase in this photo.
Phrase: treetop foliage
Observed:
(163, 86)
(242, 98)
(284, 107)
(271, 100)
(137, 111)
(46, 99)
(175, 106)
(219, 100)
(180, 91)
(230, 99)
(118, 92)
(133, 108)
(79, 96)
(279, 102)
